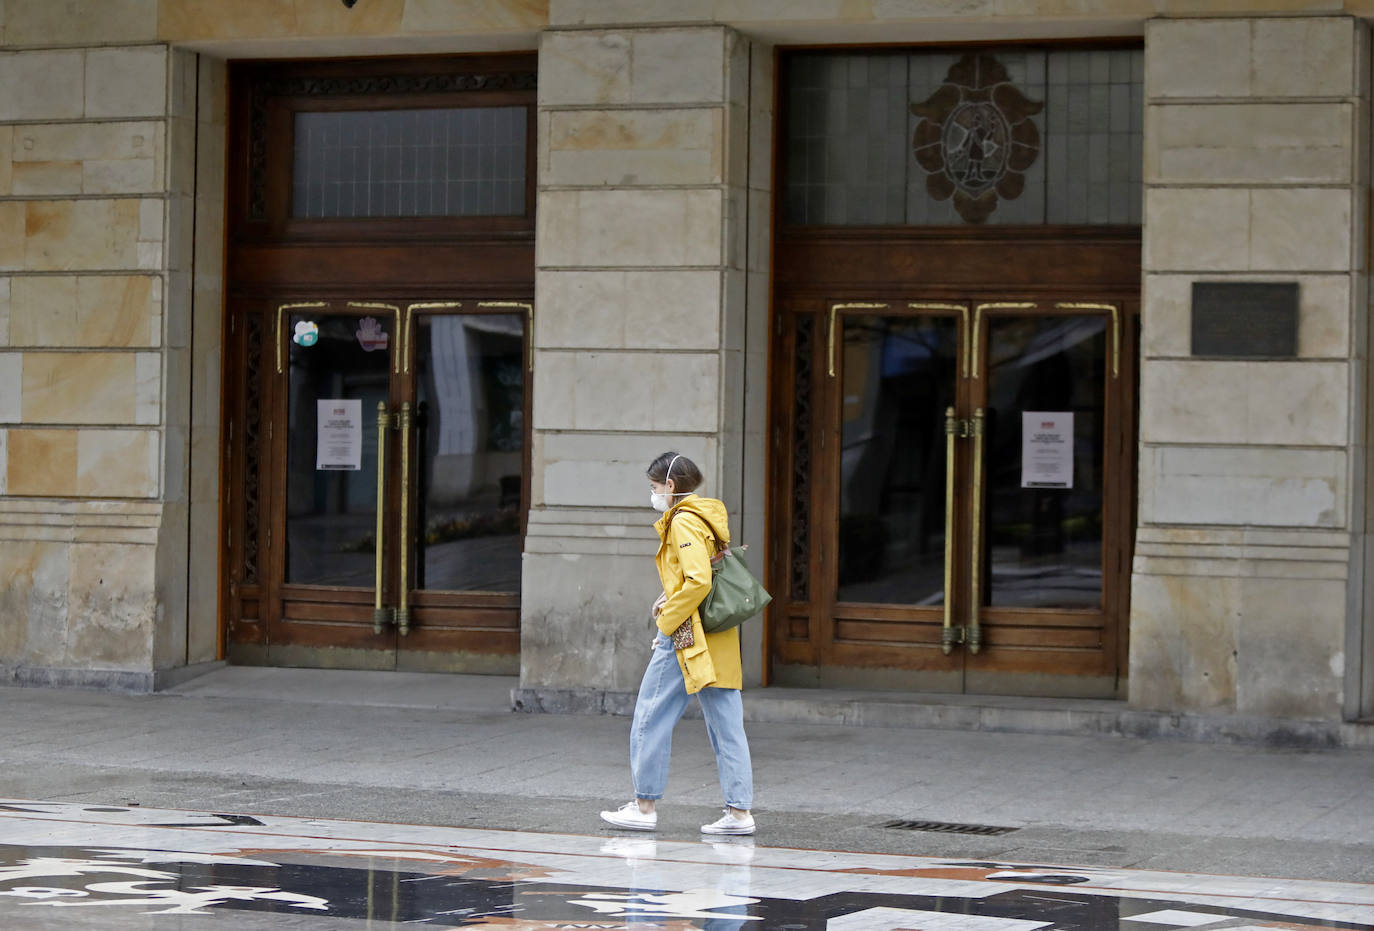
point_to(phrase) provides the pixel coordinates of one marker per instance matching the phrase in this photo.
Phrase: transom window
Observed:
(935, 138)
(450, 162)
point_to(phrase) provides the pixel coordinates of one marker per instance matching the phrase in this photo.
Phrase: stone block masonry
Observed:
(642, 312)
(95, 237)
(1251, 521)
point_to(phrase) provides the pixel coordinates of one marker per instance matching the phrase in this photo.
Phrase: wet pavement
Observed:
(65, 866)
(1104, 802)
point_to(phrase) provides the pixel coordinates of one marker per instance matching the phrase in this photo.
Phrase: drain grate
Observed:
(947, 827)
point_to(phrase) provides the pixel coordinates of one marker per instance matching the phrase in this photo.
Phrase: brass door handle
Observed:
(403, 598)
(380, 614)
(975, 631)
(948, 634)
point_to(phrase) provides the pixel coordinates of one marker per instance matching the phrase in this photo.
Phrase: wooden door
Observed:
(392, 483)
(957, 507)
(956, 250)
(377, 363)
(465, 492)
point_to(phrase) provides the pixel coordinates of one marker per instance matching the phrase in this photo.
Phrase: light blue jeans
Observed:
(662, 701)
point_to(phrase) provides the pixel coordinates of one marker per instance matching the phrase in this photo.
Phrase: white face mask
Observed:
(661, 502)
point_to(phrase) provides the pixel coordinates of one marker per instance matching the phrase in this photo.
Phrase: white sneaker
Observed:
(729, 823)
(629, 816)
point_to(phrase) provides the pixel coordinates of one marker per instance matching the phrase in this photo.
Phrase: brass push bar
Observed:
(975, 631)
(529, 315)
(972, 633)
(948, 634)
(403, 597)
(1116, 329)
(381, 615)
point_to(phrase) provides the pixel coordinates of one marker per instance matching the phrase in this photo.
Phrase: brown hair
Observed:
(686, 476)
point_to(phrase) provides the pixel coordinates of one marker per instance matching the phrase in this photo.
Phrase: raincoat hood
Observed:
(710, 510)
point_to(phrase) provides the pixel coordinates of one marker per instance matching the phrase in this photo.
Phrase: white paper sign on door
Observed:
(1046, 449)
(339, 439)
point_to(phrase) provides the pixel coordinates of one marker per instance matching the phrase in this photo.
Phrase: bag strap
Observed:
(720, 545)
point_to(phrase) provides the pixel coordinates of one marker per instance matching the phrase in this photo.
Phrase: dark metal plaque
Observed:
(1245, 319)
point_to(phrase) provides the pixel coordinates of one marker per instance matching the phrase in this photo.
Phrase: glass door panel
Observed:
(899, 376)
(338, 370)
(470, 448)
(1045, 445)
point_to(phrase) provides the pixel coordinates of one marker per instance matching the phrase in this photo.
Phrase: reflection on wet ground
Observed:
(69, 866)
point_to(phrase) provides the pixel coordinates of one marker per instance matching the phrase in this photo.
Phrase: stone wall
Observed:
(97, 162)
(1250, 470)
(82, 237)
(651, 319)
(648, 316)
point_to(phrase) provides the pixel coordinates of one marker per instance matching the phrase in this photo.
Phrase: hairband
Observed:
(669, 474)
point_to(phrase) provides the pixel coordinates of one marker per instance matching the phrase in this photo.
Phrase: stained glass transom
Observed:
(1007, 136)
(409, 163)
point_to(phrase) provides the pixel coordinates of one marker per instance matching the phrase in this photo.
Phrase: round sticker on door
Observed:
(307, 334)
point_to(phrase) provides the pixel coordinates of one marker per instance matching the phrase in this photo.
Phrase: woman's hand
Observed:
(657, 610)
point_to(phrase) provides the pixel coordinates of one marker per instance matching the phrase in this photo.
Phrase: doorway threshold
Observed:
(1008, 714)
(775, 705)
(939, 710)
(1071, 717)
(364, 687)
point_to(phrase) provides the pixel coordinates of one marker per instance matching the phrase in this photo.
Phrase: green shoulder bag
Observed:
(735, 594)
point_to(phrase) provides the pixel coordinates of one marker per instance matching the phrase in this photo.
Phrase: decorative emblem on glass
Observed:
(975, 137)
(307, 333)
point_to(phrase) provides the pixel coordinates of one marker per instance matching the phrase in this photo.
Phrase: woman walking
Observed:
(686, 660)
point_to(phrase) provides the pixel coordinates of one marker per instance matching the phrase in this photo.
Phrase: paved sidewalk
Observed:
(68, 866)
(445, 750)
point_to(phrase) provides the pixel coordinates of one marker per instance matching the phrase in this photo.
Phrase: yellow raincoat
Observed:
(684, 568)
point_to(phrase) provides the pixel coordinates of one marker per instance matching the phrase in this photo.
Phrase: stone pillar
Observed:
(650, 318)
(95, 246)
(189, 544)
(1251, 508)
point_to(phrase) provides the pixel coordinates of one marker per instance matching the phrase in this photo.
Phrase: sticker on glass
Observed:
(371, 335)
(307, 333)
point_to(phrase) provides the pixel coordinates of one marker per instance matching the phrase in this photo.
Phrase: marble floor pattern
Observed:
(75, 866)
